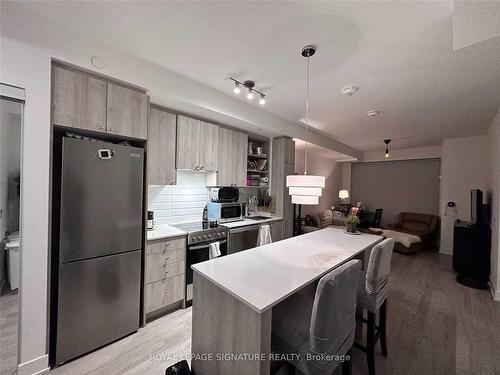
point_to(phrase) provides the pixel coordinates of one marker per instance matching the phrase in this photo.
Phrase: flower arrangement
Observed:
(351, 222)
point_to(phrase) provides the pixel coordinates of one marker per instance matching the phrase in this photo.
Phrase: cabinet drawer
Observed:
(162, 293)
(168, 257)
(162, 246)
(156, 271)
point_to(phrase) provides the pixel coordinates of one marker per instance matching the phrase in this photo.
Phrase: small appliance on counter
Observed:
(224, 194)
(151, 220)
(225, 212)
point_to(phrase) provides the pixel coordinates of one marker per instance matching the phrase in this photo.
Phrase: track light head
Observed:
(237, 89)
(262, 100)
(250, 94)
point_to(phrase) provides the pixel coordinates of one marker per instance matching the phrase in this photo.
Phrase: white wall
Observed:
(464, 166)
(493, 136)
(317, 165)
(26, 66)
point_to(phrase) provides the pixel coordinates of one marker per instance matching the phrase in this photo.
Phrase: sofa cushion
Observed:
(325, 218)
(416, 226)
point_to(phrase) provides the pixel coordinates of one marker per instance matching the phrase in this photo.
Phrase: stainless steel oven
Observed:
(200, 236)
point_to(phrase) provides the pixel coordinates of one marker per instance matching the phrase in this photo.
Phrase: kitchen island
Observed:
(234, 296)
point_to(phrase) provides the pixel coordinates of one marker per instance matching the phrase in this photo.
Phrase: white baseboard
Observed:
(36, 366)
(446, 250)
(494, 293)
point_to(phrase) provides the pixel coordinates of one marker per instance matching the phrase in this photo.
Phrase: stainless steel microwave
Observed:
(226, 212)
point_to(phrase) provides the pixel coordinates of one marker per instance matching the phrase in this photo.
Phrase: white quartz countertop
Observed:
(263, 276)
(164, 231)
(246, 222)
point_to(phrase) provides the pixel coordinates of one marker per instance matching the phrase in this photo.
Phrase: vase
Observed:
(351, 228)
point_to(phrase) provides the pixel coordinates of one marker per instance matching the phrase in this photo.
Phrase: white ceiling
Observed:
(399, 53)
(320, 151)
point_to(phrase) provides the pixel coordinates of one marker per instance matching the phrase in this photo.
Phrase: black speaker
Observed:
(471, 254)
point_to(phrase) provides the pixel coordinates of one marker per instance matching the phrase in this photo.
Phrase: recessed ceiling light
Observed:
(349, 90)
(373, 113)
(97, 62)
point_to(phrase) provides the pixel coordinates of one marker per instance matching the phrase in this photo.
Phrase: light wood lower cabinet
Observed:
(165, 270)
(162, 246)
(276, 230)
(164, 292)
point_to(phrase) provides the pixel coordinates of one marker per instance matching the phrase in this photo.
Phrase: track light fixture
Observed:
(387, 141)
(250, 85)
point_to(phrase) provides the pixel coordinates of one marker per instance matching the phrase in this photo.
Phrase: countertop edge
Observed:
(271, 305)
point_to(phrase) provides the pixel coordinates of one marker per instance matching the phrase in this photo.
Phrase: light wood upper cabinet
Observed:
(161, 147)
(232, 157)
(127, 112)
(209, 144)
(188, 143)
(78, 100)
(197, 143)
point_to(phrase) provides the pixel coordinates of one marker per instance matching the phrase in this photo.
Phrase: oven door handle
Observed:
(204, 246)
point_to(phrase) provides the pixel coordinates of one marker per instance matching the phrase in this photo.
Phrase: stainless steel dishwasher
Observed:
(243, 238)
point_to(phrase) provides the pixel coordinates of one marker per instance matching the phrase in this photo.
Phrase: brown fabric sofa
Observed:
(325, 219)
(424, 226)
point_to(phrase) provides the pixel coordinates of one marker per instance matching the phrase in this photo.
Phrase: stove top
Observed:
(200, 232)
(195, 226)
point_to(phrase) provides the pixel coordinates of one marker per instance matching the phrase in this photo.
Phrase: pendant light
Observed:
(387, 141)
(306, 189)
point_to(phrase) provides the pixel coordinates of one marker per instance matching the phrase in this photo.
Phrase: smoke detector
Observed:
(373, 113)
(349, 90)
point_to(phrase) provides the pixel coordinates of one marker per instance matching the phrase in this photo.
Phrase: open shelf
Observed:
(255, 171)
(257, 156)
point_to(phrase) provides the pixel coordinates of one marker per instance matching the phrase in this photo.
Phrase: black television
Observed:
(476, 207)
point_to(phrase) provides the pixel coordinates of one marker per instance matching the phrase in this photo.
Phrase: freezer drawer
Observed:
(98, 303)
(101, 199)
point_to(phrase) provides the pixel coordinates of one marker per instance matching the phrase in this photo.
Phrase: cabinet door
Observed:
(240, 158)
(188, 143)
(78, 100)
(127, 112)
(209, 142)
(225, 160)
(276, 230)
(161, 147)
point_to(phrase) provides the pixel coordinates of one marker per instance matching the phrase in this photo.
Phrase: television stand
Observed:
(471, 254)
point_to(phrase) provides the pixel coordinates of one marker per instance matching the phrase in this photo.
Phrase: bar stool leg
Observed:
(347, 365)
(383, 328)
(370, 343)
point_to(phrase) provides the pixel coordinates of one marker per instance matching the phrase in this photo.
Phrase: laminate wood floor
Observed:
(435, 326)
(9, 312)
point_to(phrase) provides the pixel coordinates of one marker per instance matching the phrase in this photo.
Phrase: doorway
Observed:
(11, 118)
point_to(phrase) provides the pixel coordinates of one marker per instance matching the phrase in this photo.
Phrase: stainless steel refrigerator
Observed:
(99, 215)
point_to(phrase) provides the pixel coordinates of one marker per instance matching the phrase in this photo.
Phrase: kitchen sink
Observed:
(258, 217)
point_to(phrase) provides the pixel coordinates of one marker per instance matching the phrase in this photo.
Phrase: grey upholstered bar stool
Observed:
(372, 296)
(315, 323)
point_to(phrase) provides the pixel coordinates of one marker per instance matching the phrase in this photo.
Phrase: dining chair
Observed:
(377, 217)
(372, 297)
(318, 325)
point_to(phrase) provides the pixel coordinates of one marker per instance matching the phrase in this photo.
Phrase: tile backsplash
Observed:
(180, 203)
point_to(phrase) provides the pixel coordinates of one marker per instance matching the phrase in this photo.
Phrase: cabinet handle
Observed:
(165, 247)
(167, 271)
(166, 291)
(201, 167)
